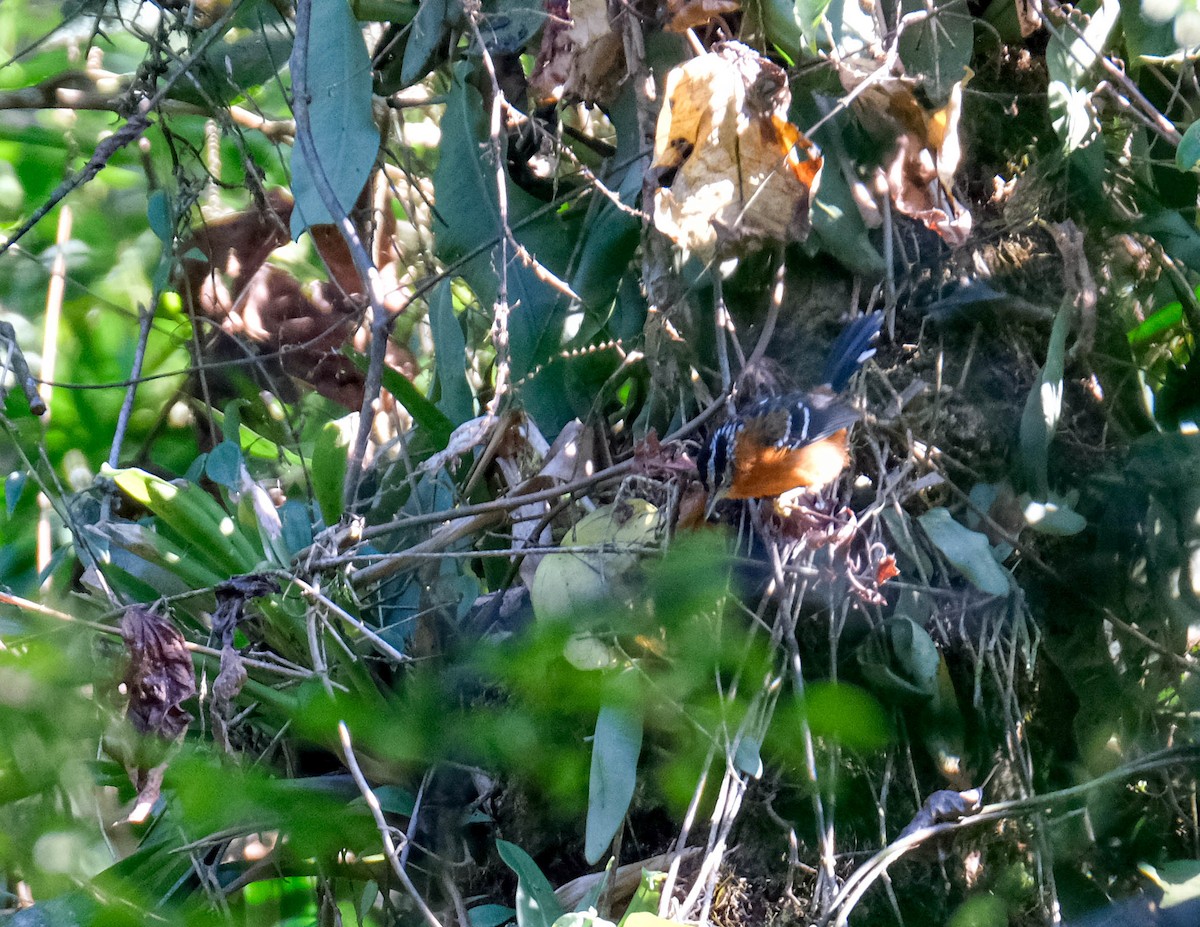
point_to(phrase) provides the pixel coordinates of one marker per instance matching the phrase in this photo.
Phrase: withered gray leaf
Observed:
(160, 677)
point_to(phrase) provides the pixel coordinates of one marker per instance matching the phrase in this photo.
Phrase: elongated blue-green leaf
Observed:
(536, 904)
(338, 72)
(450, 347)
(329, 461)
(968, 551)
(1043, 408)
(615, 751)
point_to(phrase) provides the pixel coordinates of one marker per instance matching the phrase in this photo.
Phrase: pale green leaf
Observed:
(343, 126)
(967, 551)
(615, 751)
(536, 904)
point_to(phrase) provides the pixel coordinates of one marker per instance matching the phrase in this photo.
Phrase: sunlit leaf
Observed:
(967, 551)
(615, 751)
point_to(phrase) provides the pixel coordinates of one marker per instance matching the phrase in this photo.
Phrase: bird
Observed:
(799, 440)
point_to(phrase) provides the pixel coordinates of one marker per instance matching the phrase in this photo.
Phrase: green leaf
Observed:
(14, 485)
(224, 465)
(467, 228)
(450, 356)
(536, 904)
(490, 915)
(899, 658)
(1043, 409)
(158, 212)
(838, 224)
(748, 757)
(847, 714)
(429, 33)
(424, 412)
(1157, 324)
(615, 751)
(646, 896)
(1187, 155)
(938, 49)
(329, 460)
(1052, 516)
(343, 126)
(967, 551)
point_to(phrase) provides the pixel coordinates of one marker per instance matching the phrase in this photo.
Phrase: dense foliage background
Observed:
(356, 357)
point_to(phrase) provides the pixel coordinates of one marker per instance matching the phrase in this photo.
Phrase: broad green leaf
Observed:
(467, 228)
(647, 919)
(900, 659)
(450, 356)
(232, 66)
(748, 757)
(329, 460)
(1043, 409)
(224, 465)
(429, 32)
(1157, 324)
(424, 412)
(14, 485)
(967, 551)
(838, 224)
(158, 213)
(938, 49)
(615, 751)
(1053, 516)
(490, 915)
(343, 126)
(255, 445)
(646, 896)
(1187, 155)
(536, 904)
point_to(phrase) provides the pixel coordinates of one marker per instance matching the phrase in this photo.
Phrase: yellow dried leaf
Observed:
(731, 167)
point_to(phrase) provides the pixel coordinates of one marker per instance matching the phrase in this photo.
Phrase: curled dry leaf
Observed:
(691, 14)
(730, 166)
(231, 602)
(923, 165)
(581, 57)
(226, 688)
(224, 276)
(159, 678)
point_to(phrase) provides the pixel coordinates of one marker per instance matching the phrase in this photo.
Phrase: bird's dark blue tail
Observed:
(851, 350)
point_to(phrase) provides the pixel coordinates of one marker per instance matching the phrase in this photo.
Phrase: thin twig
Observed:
(865, 875)
(385, 830)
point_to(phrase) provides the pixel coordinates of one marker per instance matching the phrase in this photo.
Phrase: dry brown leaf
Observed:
(691, 14)
(159, 678)
(224, 276)
(731, 167)
(581, 57)
(924, 163)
